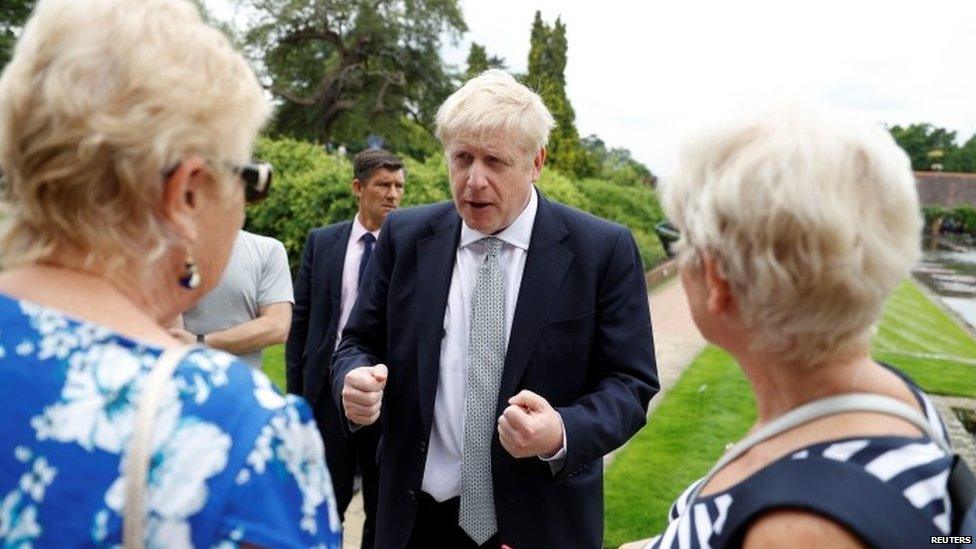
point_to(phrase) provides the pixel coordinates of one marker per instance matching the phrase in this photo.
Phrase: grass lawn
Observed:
(273, 365)
(917, 337)
(711, 405)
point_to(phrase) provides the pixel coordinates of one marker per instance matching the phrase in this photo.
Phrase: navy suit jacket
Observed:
(315, 319)
(580, 337)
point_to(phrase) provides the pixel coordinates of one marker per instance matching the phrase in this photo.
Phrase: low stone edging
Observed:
(661, 273)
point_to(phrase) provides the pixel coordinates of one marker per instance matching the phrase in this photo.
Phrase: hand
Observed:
(362, 394)
(530, 427)
(183, 335)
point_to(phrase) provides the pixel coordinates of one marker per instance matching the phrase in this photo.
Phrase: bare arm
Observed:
(270, 328)
(789, 528)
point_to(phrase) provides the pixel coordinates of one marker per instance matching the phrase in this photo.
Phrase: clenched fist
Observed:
(362, 394)
(530, 427)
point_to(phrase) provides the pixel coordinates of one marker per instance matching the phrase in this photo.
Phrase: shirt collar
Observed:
(518, 234)
(358, 230)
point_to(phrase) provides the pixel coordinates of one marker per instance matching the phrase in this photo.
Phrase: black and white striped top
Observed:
(819, 478)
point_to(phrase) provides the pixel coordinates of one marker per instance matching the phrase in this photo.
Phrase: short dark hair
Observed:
(371, 160)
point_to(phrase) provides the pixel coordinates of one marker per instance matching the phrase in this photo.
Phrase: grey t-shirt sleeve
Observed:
(275, 283)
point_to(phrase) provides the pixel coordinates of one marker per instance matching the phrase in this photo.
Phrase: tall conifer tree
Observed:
(547, 66)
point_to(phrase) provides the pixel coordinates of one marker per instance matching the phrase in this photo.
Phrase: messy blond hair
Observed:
(494, 101)
(101, 98)
(813, 217)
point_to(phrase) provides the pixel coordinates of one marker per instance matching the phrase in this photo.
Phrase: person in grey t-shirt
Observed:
(251, 307)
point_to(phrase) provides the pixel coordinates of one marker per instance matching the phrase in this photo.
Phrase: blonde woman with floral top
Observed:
(126, 129)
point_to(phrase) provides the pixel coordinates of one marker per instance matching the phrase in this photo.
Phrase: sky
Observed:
(641, 73)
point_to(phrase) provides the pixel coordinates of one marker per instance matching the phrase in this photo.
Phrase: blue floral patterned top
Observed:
(233, 460)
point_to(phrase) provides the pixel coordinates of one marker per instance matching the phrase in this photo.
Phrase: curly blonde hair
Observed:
(101, 98)
(813, 217)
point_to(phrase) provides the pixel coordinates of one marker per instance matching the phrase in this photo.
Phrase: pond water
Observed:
(948, 268)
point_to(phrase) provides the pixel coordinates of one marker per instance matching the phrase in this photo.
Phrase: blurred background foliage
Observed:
(312, 188)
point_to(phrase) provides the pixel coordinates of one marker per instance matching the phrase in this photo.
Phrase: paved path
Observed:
(677, 340)
(352, 535)
(963, 441)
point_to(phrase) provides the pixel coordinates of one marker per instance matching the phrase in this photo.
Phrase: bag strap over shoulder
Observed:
(961, 484)
(140, 451)
(852, 402)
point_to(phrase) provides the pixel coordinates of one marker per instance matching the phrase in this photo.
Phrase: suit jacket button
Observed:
(412, 495)
(423, 447)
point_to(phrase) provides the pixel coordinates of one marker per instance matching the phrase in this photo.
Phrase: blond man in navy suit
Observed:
(503, 340)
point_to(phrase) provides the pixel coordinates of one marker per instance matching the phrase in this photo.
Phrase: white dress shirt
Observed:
(442, 471)
(350, 272)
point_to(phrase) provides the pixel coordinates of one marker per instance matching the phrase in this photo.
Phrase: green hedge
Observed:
(312, 188)
(962, 216)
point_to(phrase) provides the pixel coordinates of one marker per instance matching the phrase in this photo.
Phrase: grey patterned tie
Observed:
(486, 358)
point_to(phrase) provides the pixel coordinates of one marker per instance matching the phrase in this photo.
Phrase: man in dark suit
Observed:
(333, 263)
(503, 339)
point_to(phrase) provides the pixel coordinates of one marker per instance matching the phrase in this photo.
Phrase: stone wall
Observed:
(946, 189)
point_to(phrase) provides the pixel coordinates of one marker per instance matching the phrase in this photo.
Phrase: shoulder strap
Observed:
(137, 466)
(853, 402)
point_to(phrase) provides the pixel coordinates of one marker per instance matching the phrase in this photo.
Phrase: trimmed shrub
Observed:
(426, 181)
(965, 215)
(561, 189)
(311, 188)
(635, 206)
(961, 219)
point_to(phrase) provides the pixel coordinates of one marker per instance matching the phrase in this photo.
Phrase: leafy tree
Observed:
(962, 159)
(934, 215)
(479, 61)
(617, 164)
(547, 67)
(13, 15)
(918, 140)
(344, 69)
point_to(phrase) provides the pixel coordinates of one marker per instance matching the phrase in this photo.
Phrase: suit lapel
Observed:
(545, 266)
(336, 261)
(435, 266)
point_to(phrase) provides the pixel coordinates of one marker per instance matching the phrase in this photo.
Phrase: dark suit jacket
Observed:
(315, 319)
(581, 338)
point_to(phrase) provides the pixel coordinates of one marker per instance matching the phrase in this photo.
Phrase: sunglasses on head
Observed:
(257, 180)
(255, 176)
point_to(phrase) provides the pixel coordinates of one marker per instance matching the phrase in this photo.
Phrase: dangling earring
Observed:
(191, 274)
